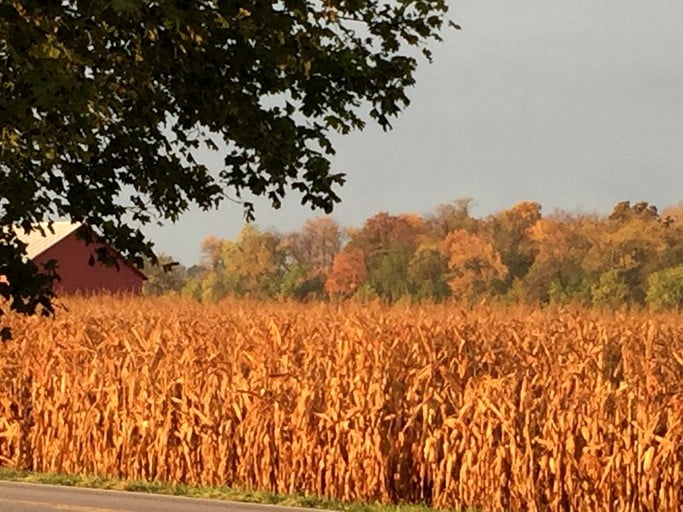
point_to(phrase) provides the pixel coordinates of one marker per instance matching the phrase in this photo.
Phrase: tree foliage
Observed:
(348, 273)
(610, 290)
(106, 105)
(510, 237)
(665, 288)
(473, 264)
(253, 266)
(315, 245)
(428, 271)
(630, 259)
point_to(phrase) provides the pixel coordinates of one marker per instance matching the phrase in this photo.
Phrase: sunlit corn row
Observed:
(516, 410)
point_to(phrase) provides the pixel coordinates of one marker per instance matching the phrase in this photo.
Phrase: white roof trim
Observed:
(37, 242)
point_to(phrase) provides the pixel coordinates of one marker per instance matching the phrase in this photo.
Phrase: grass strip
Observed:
(208, 492)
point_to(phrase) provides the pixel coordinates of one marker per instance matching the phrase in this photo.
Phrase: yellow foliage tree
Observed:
(473, 264)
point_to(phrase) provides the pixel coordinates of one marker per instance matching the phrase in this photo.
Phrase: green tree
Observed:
(106, 104)
(576, 289)
(300, 283)
(611, 290)
(665, 288)
(427, 271)
(389, 275)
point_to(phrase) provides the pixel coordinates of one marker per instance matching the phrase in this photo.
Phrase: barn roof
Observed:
(37, 242)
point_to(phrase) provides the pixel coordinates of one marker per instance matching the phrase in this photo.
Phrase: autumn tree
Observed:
(257, 262)
(629, 242)
(316, 244)
(384, 232)
(557, 275)
(448, 217)
(309, 254)
(509, 235)
(252, 265)
(474, 265)
(212, 253)
(624, 211)
(388, 242)
(106, 106)
(672, 219)
(210, 284)
(673, 213)
(347, 274)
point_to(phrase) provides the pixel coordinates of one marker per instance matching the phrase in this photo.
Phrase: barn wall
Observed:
(77, 276)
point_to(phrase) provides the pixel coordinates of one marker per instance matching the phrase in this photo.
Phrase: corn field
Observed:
(498, 410)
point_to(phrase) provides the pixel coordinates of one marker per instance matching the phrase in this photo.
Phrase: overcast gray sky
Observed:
(576, 104)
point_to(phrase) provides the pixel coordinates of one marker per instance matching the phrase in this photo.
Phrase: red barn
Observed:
(73, 256)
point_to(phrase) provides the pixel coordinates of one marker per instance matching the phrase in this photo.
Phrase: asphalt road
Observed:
(21, 497)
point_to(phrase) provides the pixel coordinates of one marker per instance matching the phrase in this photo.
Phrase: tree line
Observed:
(633, 256)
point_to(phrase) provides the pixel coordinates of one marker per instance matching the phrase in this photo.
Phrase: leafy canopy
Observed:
(104, 105)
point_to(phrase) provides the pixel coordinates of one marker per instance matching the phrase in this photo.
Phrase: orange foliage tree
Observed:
(348, 272)
(382, 232)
